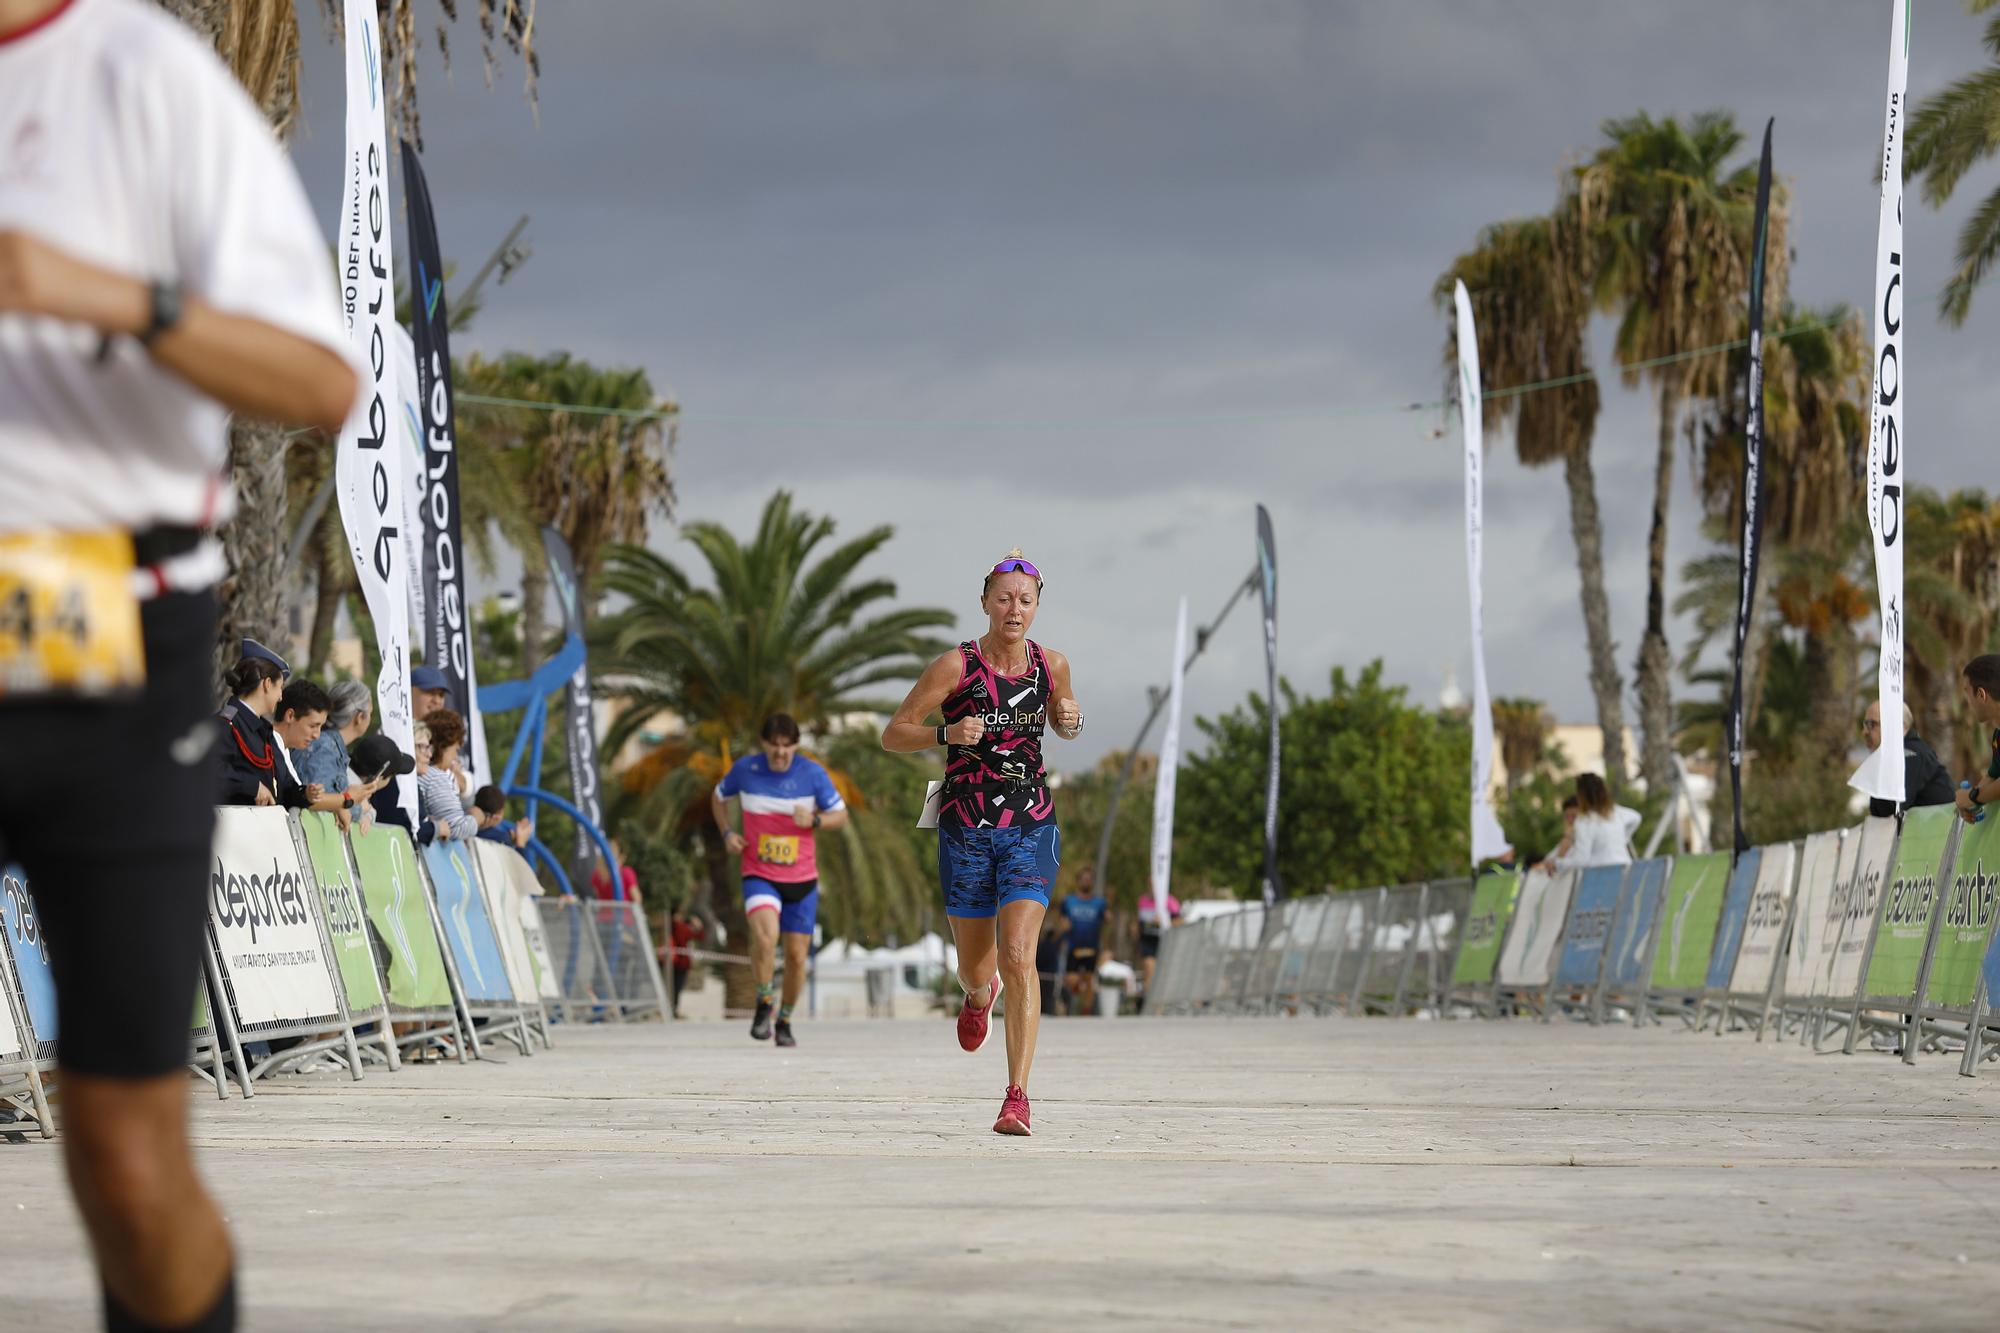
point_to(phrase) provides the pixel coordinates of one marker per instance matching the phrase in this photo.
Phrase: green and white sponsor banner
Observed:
(1968, 917)
(392, 893)
(1687, 921)
(345, 927)
(1529, 959)
(260, 908)
(1826, 861)
(503, 899)
(1764, 927)
(1855, 901)
(1904, 929)
(1485, 928)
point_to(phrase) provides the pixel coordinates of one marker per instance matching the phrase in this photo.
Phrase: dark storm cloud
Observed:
(1096, 276)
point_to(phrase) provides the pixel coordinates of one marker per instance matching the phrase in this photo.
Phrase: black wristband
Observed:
(165, 299)
(941, 736)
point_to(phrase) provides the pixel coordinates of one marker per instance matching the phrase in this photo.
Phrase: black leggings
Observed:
(109, 810)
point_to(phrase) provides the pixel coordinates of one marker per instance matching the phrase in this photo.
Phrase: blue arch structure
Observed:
(534, 794)
(532, 694)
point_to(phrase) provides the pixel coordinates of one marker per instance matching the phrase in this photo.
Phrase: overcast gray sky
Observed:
(1095, 277)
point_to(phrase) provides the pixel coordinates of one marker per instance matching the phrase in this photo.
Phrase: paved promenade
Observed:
(1327, 1174)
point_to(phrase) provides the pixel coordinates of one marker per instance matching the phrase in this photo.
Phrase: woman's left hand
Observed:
(1068, 716)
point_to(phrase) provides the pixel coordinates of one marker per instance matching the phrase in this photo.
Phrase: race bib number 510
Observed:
(778, 849)
(69, 620)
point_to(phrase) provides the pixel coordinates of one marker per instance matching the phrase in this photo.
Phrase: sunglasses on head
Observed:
(1016, 565)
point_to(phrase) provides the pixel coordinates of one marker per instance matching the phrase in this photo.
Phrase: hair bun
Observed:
(1013, 553)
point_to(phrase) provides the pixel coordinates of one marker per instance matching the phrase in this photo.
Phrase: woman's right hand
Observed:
(734, 841)
(966, 731)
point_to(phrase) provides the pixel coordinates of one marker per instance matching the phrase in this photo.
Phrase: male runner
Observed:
(786, 798)
(1082, 915)
(159, 269)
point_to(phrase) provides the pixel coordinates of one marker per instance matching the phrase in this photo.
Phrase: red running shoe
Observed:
(973, 1024)
(1013, 1113)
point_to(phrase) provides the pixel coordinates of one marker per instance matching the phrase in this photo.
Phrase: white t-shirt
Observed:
(1601, 840)
(126, 142)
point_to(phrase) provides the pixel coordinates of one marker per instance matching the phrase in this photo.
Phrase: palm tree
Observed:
(1951, 587)
(570, 444)
(1523, 728)
(259, 41)
(786, 625)
(1816, 395)
(1672, 240)
(1529, 281)
(1950, 133)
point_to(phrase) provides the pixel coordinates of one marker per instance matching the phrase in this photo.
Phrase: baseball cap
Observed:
(375, 753)
(428, 678)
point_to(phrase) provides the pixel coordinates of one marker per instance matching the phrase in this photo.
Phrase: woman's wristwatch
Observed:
(941, 736)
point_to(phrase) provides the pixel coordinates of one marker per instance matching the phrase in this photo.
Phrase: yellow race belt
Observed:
(69, 617)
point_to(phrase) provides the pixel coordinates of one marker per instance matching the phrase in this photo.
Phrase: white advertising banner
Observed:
(1535, 936)
(1823, 861)
(1764, 928)
(409, 418)
(1854, 904)
(503, 900)
(371, 464)
(261, 903)
(1163, 784)
(1487, 838)
(1881, 774)
(11, 1047)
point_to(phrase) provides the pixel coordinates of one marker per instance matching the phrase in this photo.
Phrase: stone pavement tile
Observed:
(1318, 1173)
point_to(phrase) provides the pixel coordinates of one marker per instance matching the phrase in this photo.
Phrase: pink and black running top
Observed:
(1000, 782)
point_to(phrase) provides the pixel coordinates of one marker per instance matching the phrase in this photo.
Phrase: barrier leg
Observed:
(1974, 1032)
(42, 1117)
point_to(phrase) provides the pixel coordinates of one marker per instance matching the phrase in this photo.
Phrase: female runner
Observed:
(998, 844)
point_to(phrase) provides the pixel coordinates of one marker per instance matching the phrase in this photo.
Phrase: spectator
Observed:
(376, 759)
(429, 692)
(1980, 684)
(327, 760)
(1571, 808)
(683, 929)
(250, 755)
(1602, 833)
(437, 794)
(297, 723)
(600, 882)
(489, 808)
(1925, 778)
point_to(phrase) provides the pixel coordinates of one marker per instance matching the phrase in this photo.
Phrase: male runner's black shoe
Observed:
(760, 1026)
(785, 1037)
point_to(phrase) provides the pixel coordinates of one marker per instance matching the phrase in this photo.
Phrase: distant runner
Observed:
(1149, 940)
(1083, 915)
(786, 797)
(998, 844)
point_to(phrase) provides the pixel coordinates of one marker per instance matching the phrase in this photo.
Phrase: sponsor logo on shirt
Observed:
(27, 151)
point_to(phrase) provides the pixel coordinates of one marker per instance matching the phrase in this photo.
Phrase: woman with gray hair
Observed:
(325, 760)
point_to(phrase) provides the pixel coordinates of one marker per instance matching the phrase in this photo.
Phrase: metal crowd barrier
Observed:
(1883, 933)
(331, 949)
